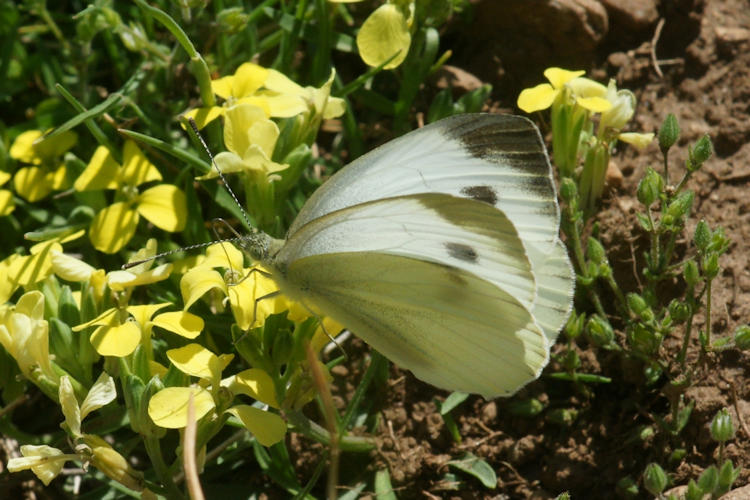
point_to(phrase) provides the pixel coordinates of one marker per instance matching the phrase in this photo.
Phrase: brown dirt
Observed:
(706, 83)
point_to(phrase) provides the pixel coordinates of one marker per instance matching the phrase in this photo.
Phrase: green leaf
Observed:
(477, 467)
(383, 487)
(452, 401)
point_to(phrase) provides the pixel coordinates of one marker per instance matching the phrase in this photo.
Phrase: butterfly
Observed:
(441, 250)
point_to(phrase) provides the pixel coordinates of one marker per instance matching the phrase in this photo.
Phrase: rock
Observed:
(634, 15)
(518, 39)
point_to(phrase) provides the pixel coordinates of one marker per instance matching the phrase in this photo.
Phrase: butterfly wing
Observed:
(439, 284)
(496, 159)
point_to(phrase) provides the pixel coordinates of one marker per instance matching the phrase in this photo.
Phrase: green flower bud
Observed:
(595, 251)
(719, 241)
(742, 337)
(702, 151)
(526, 408)
(702, 235)
(568, 189)
(636, 304)
(574, 326)
(722, 428)
(654, 479)
(694, 492)
(650, 187)
(563, 416)
(599, 331)
(690, 273)
(232, 20)
(669, 133)
(680, 206)
(711, 266)
(678, 311)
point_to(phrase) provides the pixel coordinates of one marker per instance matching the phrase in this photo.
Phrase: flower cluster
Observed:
(575, 102)
(162, 356)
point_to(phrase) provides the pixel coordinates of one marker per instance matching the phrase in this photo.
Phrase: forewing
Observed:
(496, 159)
(457, 232)
(448, 326)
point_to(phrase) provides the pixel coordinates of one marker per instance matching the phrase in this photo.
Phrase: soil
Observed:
(702, 75)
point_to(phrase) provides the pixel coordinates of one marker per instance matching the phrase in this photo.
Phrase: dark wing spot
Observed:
(480, 193)
(462, 252)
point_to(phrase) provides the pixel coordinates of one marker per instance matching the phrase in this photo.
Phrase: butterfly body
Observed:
(441, 250)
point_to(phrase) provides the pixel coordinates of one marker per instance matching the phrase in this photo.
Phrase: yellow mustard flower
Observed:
(24, 333)
(250, 285)
(163, 205)
(168, 407)
(616, 118)
(47, 172)
(271, 91)
(119, 331)
(250, 138)
(44, 461)
(586, 93)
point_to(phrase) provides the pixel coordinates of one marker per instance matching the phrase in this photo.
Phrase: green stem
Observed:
(708, 312)
(153, 448)
(305, 426)
(686, 339)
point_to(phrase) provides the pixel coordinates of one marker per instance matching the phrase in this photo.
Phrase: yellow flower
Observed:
(250, 138)
(119, 331)
(242, 295)
(586, 93)
(47, 173)
(24, 333)
(385, 33)
(163, 205)
(638, 140)
(275, 94)
(168, 407)
(44, 461)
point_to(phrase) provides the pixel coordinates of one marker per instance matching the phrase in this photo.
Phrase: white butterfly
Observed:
(440, 249)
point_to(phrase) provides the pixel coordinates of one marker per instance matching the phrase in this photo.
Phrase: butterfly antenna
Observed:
(245, 216)
(181, 249)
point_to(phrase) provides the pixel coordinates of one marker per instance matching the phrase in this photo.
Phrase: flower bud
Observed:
(654, 479)
(702, 235)
(650, 187)
(669, 133)
(112, 464)
(722, 428)
(596, 251)
(599, 331)
(690, 273)
(568, 190)
(742, 337)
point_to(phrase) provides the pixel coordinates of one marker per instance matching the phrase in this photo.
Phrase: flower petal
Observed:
(197, 282)
(204, 116)
(41, 460)
(537, 98)
(113, 227)
(22, 148)
(48, 148)
(595, 104)
(136, 168)
(36, 267)
(255, 383)
(102, 172)
(182, 323)
(559, 77)
(165, 206)
(142, 313)
(69, 405)
(168, 407)
(195, 360)
(268, 428)
(638, 140)
(69, 268)
(32, 184)
(118, 340)
(7, 204)
(101, 394)
(382, 35)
